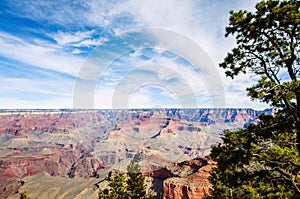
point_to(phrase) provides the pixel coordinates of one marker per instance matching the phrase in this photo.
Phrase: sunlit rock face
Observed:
(81, 143)
(191, 180)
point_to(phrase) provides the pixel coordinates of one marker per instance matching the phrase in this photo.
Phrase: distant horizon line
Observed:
(94, 109)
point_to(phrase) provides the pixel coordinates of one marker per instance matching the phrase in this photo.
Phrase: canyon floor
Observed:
(69, 153)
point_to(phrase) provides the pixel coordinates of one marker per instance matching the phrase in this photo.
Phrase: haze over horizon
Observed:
(45, 44)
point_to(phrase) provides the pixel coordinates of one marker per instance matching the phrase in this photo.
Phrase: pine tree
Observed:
(135, 182)
(263, 161)
(132, 187)
(268, 46)
(117, 188)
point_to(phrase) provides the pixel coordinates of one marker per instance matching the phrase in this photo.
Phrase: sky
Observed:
(118, 54)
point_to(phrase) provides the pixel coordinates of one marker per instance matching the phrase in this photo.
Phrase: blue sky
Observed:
(48, 49)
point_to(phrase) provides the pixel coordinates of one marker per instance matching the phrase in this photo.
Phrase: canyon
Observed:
(49, 151)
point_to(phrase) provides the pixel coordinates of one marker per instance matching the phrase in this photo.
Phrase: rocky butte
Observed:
(70, 153)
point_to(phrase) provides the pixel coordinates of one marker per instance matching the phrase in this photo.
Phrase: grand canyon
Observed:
(67, 153)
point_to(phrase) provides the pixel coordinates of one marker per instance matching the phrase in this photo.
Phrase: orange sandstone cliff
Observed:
(191, 185)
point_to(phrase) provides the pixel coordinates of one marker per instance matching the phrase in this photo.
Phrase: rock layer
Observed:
(71, 161)
(80, 143)
(193, 183)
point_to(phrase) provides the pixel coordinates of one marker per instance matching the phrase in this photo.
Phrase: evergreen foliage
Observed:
(130, 187)
(135, 182)
(268, 46)
(117, 188)
(263, 161)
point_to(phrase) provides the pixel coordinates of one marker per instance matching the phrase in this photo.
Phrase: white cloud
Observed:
(53, 103)
(77, 51)
(37, 55)
(63, 38)
(57, 87)
(51, 12)
(90, 42)
(77, 39)
(30, 93)
(180, 79)
(202, 21)
(137, 100)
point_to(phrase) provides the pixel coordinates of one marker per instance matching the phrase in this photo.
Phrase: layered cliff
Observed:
(191, 182)
(80, 143)
(69, 161)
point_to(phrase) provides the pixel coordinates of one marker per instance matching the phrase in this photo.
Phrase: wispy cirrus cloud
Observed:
(65, 38)
(57, 87)
(78, 39)
(43, 56)
(53, 38)
(62, 13)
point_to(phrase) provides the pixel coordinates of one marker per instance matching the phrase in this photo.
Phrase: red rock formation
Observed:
(20, 124)
(192, 186)
(58, 161)
(23, 154)
(85, 167)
